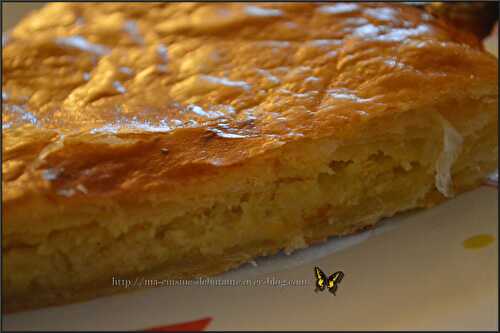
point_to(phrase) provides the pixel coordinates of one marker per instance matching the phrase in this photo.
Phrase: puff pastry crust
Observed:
(180, 140)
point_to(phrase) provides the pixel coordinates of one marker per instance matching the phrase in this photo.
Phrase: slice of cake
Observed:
(184, 140)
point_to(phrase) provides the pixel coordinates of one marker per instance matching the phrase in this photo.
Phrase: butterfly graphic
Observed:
(331, 282)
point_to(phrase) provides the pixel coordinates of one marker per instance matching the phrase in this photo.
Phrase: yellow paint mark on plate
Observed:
(478, 241)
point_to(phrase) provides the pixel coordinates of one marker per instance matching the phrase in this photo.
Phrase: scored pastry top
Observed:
(99, 96)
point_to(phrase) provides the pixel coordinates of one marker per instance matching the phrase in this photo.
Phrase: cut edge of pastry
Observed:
(452, 144)
(299, 194)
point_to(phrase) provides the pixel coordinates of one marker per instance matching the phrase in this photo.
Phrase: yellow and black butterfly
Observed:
(331, 282)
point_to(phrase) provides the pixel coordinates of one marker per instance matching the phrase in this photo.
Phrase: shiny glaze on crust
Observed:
(118, 98)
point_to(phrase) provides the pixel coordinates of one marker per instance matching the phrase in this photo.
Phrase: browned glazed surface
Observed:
(113, 98)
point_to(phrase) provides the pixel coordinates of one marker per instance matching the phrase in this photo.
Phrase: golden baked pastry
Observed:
(183, 140)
